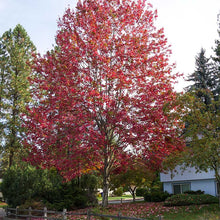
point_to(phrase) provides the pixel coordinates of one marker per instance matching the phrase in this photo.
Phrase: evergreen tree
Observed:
(15, 51)
(216, 59)
(205, 81)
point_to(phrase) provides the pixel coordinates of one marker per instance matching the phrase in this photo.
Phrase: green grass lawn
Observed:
(3, 204)
(206, 212)
(119, 197)
(152, 211)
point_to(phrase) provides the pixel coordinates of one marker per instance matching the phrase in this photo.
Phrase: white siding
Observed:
(208, 186)
(168, 187)
(185, 175)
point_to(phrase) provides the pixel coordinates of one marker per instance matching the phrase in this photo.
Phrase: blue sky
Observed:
(189, 24)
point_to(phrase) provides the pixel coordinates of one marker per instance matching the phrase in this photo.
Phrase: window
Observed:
(179, 188)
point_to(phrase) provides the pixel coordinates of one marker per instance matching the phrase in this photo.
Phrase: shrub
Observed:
(18, 185)
(156, 196)
(25, 185)
(141, 191)
(198, 192)
(80, 201)
(72, 196)
(34, 204)
(189, 199)
(118, 191)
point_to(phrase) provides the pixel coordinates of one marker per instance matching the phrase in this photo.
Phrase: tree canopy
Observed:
(104, 92)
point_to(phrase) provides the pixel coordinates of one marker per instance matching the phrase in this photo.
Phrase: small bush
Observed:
(189, 199)
(80, 201)
(198, 192)
(34, 204)
(141, 191)
(156, 196)
(118, 191)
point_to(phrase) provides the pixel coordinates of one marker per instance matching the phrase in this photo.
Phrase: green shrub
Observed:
(78, 193)
(18, 185)
(156, 196)
(141, 191)
(188, 199)
(34, 204)
(198, 192)
(25, 185)
(118, 191)
(80, 201)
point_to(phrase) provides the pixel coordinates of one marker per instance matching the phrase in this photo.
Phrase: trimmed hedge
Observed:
(190, 199)
(156, 196)
(198, 192)
(141, 191)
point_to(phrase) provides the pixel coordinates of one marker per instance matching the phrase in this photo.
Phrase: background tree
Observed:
(203, 136)
(135, 176)
(204, 79)
(202, 116)
(102, 92)
(216, 57)
(15, 51)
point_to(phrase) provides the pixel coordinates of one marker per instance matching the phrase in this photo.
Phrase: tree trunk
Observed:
(218, 188)
(13, 130)
(11, 156)
(133, 195)
(218, 193)
(132, 191)
(105, 192)
(106, 173)
(219, 200)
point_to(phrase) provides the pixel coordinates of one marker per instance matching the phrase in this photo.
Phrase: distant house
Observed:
(180, 180)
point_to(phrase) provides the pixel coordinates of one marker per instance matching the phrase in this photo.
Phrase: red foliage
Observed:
(102, 90)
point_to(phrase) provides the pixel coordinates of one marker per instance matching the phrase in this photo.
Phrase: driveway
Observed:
(2, 213)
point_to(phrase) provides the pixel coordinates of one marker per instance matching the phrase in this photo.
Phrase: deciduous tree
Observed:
(103, 90)
(203, 120)
(203, 135)
(136, 175)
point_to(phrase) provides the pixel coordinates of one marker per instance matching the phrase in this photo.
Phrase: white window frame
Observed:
(181, 186)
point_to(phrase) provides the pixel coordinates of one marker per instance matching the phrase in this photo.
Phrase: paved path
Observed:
(2, 213)
(123, 201)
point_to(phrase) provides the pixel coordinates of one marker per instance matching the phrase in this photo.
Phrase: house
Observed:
(182, 180)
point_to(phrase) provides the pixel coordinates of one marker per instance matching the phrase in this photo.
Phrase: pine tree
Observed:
(205, 81)
(15, 51)
(216, 59)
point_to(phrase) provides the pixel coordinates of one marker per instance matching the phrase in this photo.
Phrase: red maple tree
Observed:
(102, 91)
